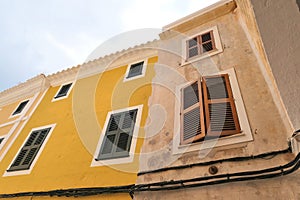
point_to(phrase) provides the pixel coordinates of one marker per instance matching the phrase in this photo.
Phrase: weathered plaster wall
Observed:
(279, 27)
(264, 117)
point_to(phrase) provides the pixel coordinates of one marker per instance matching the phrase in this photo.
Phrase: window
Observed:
(201, 44)
(118, 136)
(135, 70)
(63, 91)
(1, 140)
(29, 151)
(208, 110)
(20, 108)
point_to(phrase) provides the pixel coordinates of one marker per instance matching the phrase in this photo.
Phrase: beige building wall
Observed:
(269, 127)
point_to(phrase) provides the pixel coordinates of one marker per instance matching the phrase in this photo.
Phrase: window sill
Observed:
(212, 143)
(188, 61)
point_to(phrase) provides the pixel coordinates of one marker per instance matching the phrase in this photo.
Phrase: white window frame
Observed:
(218, 45)
(135, 134)
(244, 136)
(67, 95)
(24, 109)
(28, 171)
(3, 141)
(138, 76)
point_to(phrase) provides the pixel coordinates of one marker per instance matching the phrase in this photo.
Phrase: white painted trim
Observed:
(66, 96)
(24, 123)
(138, 76)
(218, 45)
(28, 171)
(244, 136)
(2, 143)
(27, 106)
(133, 141)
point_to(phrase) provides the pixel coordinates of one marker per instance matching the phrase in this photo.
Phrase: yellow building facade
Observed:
(195, 114)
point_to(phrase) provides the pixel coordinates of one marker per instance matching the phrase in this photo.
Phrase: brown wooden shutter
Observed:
(29, 150)
(220, 110)
(118, 136)
(192, 115)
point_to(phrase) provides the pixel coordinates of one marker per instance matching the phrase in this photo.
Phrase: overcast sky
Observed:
(50, 35)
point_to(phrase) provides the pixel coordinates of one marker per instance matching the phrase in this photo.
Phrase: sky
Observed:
(51, 35)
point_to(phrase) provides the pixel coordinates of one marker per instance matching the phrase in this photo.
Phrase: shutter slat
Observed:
(191, 124)
(118, 135)
(29, 151)
(108, 144)
(123, 142)
(192, 114)
(64, 90)
(190, 95)
(135, 69)
(221, 116)
(20, 107)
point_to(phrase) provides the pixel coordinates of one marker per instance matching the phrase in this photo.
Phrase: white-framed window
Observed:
(119, 137)
(30, 151)
(63, 92)
(203, 44)
(210, 114)
(20, 108)
(1, 139)
(136, 70)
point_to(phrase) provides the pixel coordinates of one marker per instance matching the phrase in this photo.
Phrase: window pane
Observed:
(193, 42)
(206, 37)
(207, 47)
(193, 52)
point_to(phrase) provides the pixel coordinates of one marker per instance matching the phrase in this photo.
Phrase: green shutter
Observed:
(118, 136)
(135, 69)
(29, 151)
(20, 107)
(63, 91)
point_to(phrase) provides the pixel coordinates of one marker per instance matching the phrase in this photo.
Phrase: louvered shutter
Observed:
(118, 136)
(192, 116)
(63, 91)
(20, 107)
(135, 69)
(221, 116)
(29, 150)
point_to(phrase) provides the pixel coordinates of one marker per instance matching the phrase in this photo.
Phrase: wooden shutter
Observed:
(118, 136)
(135, 69)
(220, 110)
(63, 91)
(29, 150)
(192, 115)
(20, 107)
